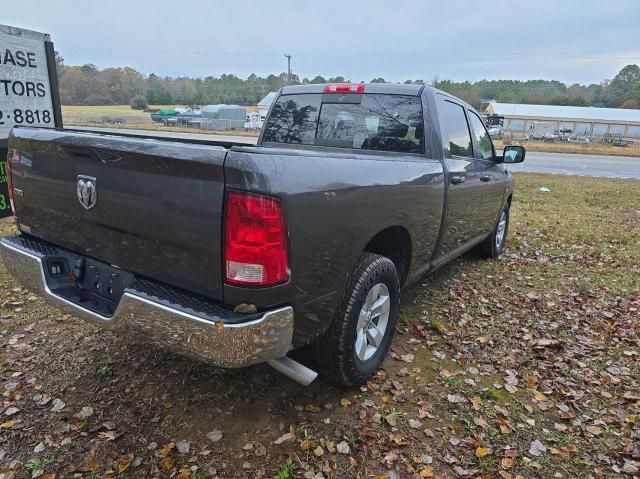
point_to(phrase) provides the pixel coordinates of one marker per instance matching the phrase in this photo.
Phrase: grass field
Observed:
(80, 111)
(522, 367)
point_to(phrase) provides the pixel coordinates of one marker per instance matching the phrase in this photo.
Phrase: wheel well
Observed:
(394, 243)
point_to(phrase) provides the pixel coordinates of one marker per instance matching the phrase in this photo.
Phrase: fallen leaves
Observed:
(399, 440)
(124, 462)
(306, 444)
(392, 419)
(407, 358)
(57, 405)
(85, 412)
(558, 339)
(507, 462)
(183, 447)
(286, 437)
(537, 448)
(167, 448)
(480, 421)
(455, 398)
(166, 464)
(540, 397)
(215, 435)
(11, 410)
(343, 448)
(92, 465)
(505, 425)
(108, 435)
(415, 424)
(595, 430)
(482, 452)
(426, 471)
(631, 467)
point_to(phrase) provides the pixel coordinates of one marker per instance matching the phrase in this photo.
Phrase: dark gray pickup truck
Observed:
(240, 254)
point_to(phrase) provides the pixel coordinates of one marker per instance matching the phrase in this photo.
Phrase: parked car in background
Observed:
(239, 254)
(161, 116)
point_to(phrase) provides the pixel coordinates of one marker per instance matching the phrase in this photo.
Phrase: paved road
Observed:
(582, 165)
(554, 163)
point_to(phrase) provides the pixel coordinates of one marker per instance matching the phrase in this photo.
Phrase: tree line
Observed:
(89, 85)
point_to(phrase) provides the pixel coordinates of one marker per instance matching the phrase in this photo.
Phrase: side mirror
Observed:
(512, 154)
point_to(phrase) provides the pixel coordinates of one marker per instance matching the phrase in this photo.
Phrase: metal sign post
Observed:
(29, 93)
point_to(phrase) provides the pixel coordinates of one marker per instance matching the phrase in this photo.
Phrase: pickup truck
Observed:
(239, 254)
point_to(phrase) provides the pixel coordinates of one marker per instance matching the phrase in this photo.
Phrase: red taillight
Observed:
(344, 88)
(255, 247)
(13, 156)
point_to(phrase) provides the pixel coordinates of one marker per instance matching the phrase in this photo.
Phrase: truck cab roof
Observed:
(376, 88)
(380, 88)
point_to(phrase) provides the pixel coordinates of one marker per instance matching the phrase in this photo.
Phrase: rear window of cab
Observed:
(377, 122)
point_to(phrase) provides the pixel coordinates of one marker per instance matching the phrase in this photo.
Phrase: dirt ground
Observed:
(528, 366)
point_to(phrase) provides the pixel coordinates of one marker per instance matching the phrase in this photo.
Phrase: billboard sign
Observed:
(28, 90)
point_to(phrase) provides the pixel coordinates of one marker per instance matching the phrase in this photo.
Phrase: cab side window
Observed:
(458, 137)
(484, 145)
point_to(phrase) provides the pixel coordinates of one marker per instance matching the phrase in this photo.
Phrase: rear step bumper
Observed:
(214, 335)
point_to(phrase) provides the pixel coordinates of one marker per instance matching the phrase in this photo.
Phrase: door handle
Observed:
(485, 178)
(456, 180)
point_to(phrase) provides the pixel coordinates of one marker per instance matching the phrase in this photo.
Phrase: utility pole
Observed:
(288, 68)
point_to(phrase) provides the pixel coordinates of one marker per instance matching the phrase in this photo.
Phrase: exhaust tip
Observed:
(294, 370)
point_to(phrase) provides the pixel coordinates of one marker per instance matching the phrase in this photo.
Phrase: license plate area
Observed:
(90, 284)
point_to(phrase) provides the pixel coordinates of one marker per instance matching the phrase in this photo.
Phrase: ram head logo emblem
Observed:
(87, 193)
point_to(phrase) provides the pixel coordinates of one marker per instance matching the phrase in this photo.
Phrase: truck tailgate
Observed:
(149, 206)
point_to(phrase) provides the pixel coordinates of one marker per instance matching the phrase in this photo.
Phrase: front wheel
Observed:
(493, 246)
(354, 346)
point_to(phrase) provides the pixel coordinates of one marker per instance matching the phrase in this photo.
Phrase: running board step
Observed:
(293, 369)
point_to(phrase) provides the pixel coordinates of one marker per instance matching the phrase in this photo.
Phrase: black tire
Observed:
(335, 352)
(490, 247)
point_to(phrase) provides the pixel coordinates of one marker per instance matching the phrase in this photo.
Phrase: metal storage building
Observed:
(586, 121)
(189, 117)
(223, 117)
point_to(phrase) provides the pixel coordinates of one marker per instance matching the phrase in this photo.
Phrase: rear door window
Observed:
(378, 122)
(458, 137)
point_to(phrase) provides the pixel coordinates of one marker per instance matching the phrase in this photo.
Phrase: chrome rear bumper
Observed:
(211, 338)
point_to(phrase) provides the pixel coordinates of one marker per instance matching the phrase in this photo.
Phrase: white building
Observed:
(586, 121)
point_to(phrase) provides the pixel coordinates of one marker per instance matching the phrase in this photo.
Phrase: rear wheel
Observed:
(493, 246)
(359, 337)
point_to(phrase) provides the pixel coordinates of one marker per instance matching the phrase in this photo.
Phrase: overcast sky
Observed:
(581, 41)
